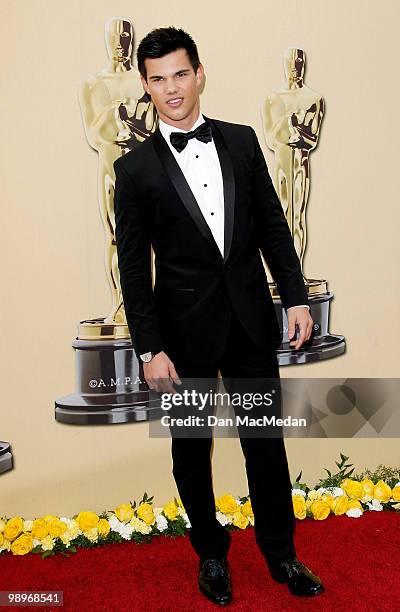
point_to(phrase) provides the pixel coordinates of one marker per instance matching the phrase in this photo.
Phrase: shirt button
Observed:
(212, 213)
(205, 184)
(196, 155)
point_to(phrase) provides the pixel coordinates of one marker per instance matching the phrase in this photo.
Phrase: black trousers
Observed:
(265, 460)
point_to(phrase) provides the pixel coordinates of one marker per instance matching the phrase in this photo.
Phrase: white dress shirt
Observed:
(200, 165)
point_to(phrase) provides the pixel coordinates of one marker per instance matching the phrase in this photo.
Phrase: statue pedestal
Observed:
(110, 387)
(322, 344)
(6, 458)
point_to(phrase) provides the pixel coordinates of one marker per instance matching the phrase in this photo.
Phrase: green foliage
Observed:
(334, 480)
(389, 475)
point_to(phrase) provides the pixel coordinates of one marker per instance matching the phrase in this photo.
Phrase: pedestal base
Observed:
(110, 387)
(6, 459)
(322, 344)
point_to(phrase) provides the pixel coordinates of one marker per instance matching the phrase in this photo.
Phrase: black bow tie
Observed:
(179, 140)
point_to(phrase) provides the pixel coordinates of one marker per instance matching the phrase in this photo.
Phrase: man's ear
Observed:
(200, 73)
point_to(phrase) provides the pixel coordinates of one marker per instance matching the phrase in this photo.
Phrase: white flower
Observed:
(126, 531)
(157, 511)
(161, 522)
(337, 491)
(47, 543)
(66, 520)
(397, 484)
(298, 492)
(28, 525)
(140, 526)
(354, 512)
(375, 505)
(186, 519)
(222, 518)
(35, 542)
(321, 490)
(115, 523)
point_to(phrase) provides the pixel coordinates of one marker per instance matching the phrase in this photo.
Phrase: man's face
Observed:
(173, 86)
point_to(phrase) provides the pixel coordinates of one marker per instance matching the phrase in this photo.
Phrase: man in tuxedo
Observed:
(198, 190)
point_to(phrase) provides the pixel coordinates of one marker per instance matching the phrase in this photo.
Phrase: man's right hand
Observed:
(160, 373)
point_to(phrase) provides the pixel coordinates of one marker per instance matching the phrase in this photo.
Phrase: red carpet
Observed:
(357, 559)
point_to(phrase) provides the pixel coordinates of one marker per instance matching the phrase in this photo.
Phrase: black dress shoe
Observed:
(215, 580)
(299, 578)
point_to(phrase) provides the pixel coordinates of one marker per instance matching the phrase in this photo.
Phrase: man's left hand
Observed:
(301, 316)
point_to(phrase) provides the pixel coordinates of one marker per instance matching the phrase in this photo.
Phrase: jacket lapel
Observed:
(177, 177)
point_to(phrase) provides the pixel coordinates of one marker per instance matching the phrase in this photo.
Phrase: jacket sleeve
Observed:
(132, 234)
(273, 233)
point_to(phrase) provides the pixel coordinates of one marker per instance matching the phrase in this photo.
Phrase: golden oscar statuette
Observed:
(292, 118)
(118, 115)
(6, 458)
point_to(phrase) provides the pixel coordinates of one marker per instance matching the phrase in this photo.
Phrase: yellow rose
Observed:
(299, 506)
(179, 502)
(328, 499)
(87, 520)
(103, 527)
(382, 491)
(354, 503)
(353, 488)
(240, 520)
(139, 525)
(2, 525)
(368, 486)
(13, 528)
(145, 512)
(92, 534)
(49, 517)
(57, 528)
(340, 505)
(171, 510)
(39, 529)
(396, 493)
(124, 512)
(227, 504)
(313, 495)
(22, 545)
(320, 510)
(1, 538)
(247, 509)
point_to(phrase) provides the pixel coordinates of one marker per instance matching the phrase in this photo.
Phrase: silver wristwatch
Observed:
(146, 357)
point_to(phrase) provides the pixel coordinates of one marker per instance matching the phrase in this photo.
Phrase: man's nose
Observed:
(171, 86)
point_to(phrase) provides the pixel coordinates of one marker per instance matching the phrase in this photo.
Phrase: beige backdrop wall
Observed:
(52, 272)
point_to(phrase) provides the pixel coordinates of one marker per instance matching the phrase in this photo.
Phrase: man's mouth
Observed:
(175, 102)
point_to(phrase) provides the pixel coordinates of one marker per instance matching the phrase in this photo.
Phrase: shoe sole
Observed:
(210, 598)
(312, 594)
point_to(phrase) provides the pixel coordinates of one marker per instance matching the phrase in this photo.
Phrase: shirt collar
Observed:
(166, 129)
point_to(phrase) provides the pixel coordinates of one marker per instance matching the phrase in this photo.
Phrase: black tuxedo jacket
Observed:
(186, 313)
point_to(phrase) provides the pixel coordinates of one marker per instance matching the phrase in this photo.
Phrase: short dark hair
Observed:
(161, 41)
